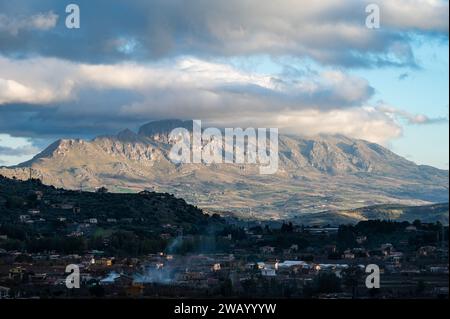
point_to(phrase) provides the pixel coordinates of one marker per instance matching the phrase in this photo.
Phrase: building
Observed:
(411, 228)
(165, 236)
(361, 239)
(348, 254)
(291, 263)
(24, 218)
(63, 206)
(387, 248)
(268, 272)
(17, 273)
(39, 195)
(426, 251)
(4, 292)
(267, 250)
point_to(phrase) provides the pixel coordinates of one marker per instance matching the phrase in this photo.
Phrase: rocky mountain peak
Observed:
(127, 135)
(314, 173)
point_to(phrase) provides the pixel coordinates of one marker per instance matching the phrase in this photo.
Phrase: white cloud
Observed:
(366, 123)
(328, 102)
(410, 118)
(12, 92)
(14, 150)
(425, 15)
(39, 21)
(330, 32)
(18, 151)
(36, 80)
(46, 80)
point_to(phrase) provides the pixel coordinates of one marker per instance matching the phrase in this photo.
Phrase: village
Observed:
(154, 245)
(265, 272)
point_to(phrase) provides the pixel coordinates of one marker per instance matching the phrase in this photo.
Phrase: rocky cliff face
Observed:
(315, 174)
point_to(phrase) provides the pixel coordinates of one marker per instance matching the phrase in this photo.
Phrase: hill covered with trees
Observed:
(43, 218)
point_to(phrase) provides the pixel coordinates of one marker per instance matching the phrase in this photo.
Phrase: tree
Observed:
(326, 282)
(420, 287)
(346, 236)
(226, 288)
(22, 258)
(97, 290)
(287, 228)
(351, 278)
(102, 190)
(14, 202)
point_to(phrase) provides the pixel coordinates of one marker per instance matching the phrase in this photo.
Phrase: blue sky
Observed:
(419, 91)
(304, 67)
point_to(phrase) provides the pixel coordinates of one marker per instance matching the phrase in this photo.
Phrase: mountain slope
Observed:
(426, 214)
(315, 174)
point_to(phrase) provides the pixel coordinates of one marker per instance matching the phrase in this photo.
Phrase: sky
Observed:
(305, 67)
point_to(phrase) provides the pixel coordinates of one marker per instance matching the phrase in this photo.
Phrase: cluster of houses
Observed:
(37, 275)
(27, 276)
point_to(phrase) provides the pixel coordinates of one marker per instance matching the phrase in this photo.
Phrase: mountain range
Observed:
(316, 174)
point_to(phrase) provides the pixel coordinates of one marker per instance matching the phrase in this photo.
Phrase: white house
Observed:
(268, 272)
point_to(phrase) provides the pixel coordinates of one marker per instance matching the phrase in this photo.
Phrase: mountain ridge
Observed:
(315, 173)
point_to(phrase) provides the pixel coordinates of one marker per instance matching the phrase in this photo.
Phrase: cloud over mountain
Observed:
(64, 93)
(140, 60)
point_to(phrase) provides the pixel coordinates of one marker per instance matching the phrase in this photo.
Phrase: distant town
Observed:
(152, 245)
